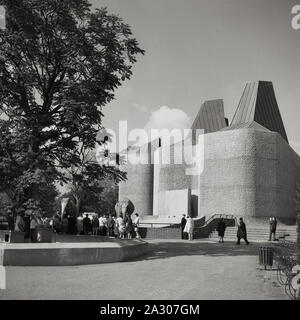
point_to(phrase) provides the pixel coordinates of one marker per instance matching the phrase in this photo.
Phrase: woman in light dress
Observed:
(189, 227)
(102, 225)
(121, 227)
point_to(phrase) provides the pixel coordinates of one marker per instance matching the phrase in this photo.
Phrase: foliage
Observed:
(100, 200)
(60, 63)
(93, 187)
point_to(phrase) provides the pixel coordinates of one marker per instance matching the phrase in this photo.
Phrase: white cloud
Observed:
(168, 118)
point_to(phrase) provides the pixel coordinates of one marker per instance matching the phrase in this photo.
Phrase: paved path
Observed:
(171, 270)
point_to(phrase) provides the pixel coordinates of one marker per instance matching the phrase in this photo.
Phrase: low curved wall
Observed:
(67, 254)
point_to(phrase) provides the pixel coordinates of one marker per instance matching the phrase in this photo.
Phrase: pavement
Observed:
(172, 269)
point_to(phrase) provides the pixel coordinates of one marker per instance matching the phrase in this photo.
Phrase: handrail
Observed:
(215, 216)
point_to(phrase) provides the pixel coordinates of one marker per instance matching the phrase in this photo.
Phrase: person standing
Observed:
(33, 225)
(273, 227)
(20, 223)
(102, 225)
(182, 226)
(189, 227)
(116, 227)
(221, 227)
(128, 226)
(121, 227)
(73, 223)
(26, 218)
(65, 224)
(69, 224)
(10, 220)
(136, 224)
(56, 224)
(95, 225)
(110, 225)
(86, 224)
(242, 232)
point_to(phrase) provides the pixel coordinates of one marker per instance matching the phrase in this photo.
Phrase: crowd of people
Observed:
(112, 226)
(103, 225)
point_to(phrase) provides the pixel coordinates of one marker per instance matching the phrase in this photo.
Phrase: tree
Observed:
(60, 63)
(89, 182)
(102, 199)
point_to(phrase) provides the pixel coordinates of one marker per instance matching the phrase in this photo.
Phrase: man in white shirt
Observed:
(102, 225)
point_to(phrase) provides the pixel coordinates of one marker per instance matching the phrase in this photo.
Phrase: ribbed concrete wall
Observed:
(248, 173)
(139, 185)
(173, 177)
(138, 188)
(228, 180)
(288, 174)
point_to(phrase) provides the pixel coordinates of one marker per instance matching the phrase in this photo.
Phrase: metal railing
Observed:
(168, 224)
(287, 257)
(219, 216)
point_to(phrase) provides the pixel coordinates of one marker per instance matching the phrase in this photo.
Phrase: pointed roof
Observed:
(247, 125)
(258, 104)
(211, 116)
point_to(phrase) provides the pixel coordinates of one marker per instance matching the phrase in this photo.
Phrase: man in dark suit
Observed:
(182, 225)
(273, 226)
(86, 224)
(242, 232)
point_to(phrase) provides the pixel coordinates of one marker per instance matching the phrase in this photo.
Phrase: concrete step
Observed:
(258, 233)
(265, 229)
(253, 238)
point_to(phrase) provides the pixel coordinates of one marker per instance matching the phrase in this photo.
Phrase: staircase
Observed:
(258, 233)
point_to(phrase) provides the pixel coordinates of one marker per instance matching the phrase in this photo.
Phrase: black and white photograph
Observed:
(149, 154)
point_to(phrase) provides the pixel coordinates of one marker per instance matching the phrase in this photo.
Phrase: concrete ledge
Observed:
(160, 233)
(68, 254)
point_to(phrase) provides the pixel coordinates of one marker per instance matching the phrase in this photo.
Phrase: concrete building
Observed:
(249, 168)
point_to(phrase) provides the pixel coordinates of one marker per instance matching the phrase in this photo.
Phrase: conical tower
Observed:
(258, 103)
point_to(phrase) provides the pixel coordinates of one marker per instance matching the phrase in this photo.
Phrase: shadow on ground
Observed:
(164, 249)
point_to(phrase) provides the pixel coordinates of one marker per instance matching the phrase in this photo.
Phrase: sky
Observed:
(198, 50)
